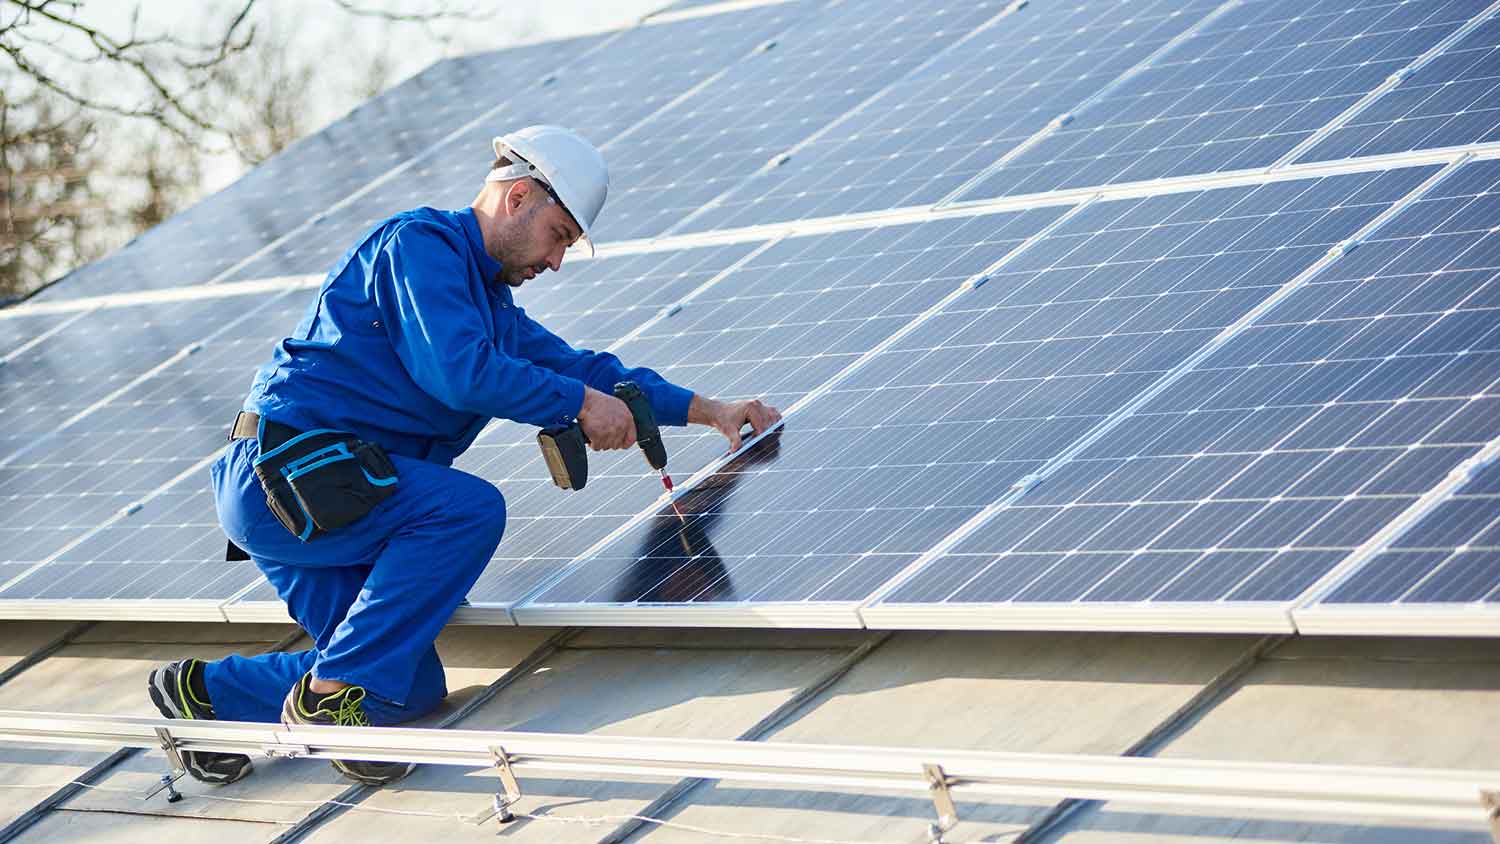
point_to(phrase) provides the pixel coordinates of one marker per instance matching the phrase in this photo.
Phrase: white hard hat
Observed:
(563, 161)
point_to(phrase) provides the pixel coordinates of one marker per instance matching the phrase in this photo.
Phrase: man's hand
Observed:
(729, 417)
(606, 420)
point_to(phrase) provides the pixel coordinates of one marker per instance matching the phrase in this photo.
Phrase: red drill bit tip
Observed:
(666, 481)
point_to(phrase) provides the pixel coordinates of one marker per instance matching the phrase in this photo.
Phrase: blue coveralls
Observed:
(412, 343)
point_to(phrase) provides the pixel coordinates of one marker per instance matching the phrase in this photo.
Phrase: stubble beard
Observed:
(515, 244)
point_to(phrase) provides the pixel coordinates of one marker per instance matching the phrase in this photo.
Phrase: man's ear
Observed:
(515, 196)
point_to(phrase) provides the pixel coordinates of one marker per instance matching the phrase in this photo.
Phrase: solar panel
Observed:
(816, 71)
(1240, 93)
(884, 465)
(1452, 100)
(602, 94)
(1431, 401)
(929, 132)
(1168, 406)
(146, 393)
(1253, 474)
(783, 324)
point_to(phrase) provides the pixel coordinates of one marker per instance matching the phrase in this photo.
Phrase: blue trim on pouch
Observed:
(293, 441)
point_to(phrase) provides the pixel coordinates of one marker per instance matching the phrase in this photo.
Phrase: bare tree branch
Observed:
(440, 13)
(67, 78)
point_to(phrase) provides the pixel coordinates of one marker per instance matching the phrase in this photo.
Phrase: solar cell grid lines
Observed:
(601, 93)
(97, 481)
(1453, 99)
(1433, 283)
(928, 133)
(96, 355)
(1089, 530)
(1239, 94)
(1244, 401)
(790, 319)
(825, 65)
(171, 550)
(1451, 557)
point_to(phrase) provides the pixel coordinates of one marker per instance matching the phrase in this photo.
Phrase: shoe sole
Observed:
(290, 719)
(166, 703)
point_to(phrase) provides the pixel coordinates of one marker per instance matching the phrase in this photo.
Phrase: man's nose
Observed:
(555, 259)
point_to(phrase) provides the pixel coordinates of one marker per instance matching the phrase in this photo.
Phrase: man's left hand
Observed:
(730, 417)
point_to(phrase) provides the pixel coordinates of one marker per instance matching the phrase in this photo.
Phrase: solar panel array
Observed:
(1083, 315)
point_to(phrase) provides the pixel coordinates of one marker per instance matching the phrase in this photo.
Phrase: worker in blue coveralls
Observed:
(337, 479)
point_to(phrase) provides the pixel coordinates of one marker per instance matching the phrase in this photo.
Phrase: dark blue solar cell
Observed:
(1387, 577)
(1286, 576)
(1464, 577)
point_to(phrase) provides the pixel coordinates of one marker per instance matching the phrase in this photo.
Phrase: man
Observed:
(337, 481)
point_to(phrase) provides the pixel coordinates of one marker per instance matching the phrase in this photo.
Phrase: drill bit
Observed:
(666, 481)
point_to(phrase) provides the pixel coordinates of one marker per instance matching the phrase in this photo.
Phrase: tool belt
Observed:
(316, 481)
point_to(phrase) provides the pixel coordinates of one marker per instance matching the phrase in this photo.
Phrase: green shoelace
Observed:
(350, 713)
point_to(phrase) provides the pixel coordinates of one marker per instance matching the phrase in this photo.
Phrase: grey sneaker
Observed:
(177, 690)
(343, 708)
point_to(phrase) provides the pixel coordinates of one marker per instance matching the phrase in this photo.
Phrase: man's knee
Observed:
(483, 506)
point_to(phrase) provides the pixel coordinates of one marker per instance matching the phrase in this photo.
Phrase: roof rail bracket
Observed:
(938, 783)
(168, 780)
(500, 807)
(1491, 802)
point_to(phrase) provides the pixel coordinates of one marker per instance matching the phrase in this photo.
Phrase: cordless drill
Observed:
(566, 449)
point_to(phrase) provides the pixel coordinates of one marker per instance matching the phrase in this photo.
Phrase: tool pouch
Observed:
(321, 480)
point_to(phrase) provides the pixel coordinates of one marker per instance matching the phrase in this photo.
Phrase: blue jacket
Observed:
(414, 344)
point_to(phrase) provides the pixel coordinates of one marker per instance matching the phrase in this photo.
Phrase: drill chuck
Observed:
(647, 434)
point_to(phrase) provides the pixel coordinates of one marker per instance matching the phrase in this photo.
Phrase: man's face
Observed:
(540, 233)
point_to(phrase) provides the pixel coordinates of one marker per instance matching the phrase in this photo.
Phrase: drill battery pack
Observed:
(565, 453)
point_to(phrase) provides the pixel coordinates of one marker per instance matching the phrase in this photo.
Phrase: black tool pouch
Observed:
(321, 480)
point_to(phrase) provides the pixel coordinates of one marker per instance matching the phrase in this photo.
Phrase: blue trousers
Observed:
(373, 596)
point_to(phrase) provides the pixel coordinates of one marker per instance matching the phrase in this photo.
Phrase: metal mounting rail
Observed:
(1456, 798)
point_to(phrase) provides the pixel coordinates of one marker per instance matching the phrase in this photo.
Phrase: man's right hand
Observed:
(606, 420)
